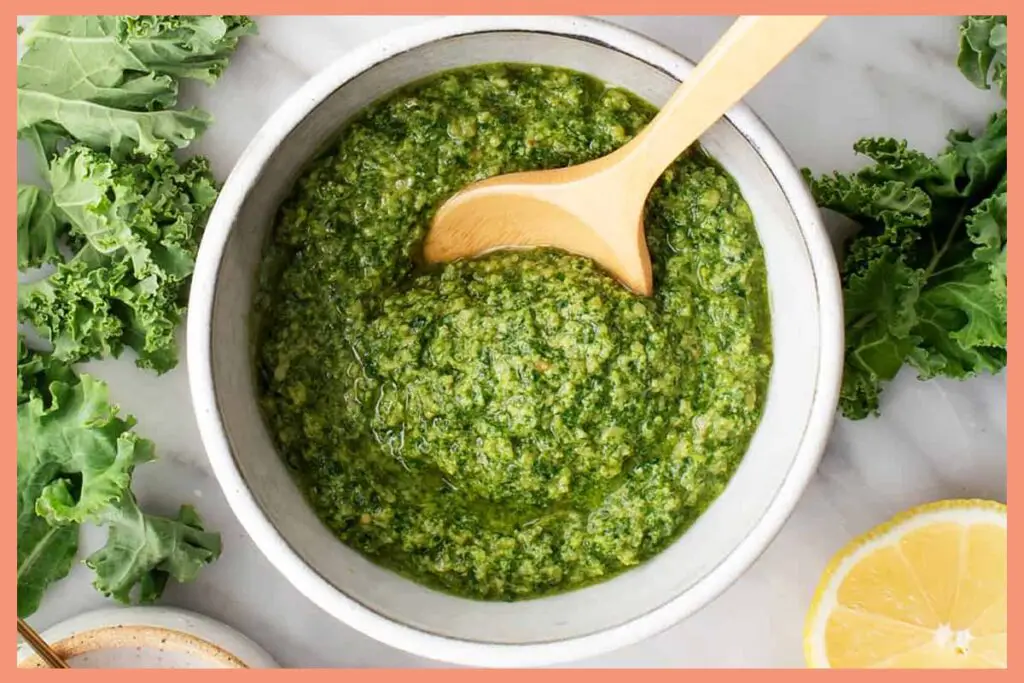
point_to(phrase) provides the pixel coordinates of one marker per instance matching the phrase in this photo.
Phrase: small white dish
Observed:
(148, 638)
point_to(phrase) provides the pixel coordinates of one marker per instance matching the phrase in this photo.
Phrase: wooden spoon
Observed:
(595, 209)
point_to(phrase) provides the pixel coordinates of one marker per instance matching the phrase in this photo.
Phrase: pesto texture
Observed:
(518, 424)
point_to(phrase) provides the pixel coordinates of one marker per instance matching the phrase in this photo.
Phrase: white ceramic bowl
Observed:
(807, 328)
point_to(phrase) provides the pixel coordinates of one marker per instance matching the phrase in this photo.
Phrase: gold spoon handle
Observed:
(745, 54)
(40, 646)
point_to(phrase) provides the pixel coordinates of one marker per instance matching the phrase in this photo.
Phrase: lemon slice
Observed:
(925, 590)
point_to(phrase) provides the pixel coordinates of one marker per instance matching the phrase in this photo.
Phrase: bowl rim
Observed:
(257, 524)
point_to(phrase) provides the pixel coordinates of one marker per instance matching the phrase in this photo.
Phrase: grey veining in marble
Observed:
(938, 439)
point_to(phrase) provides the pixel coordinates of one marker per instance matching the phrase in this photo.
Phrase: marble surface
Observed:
(940, 439)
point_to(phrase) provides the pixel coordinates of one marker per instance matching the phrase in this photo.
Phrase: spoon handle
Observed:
(40, 646)
(746, 53)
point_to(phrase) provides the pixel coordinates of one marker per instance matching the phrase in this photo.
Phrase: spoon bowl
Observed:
(548, 209)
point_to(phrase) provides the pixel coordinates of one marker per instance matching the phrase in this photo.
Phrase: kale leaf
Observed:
(982, 57)
(45, 551)
(925, 278)
(40, 227)
(138, 223)
(111, 81)
(76, 457)
(146, 550)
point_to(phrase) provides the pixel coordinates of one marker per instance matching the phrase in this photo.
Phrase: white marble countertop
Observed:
(940, 439)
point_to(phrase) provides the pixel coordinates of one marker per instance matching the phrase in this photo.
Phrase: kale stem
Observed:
(864, 321)
(957, 222)
(947, 269)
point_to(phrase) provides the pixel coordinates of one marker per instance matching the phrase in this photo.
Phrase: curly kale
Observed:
(925, 278)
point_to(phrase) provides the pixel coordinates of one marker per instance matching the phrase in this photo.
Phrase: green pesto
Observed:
(519, 424)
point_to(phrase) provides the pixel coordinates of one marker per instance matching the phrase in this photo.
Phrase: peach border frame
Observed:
(417, 7)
